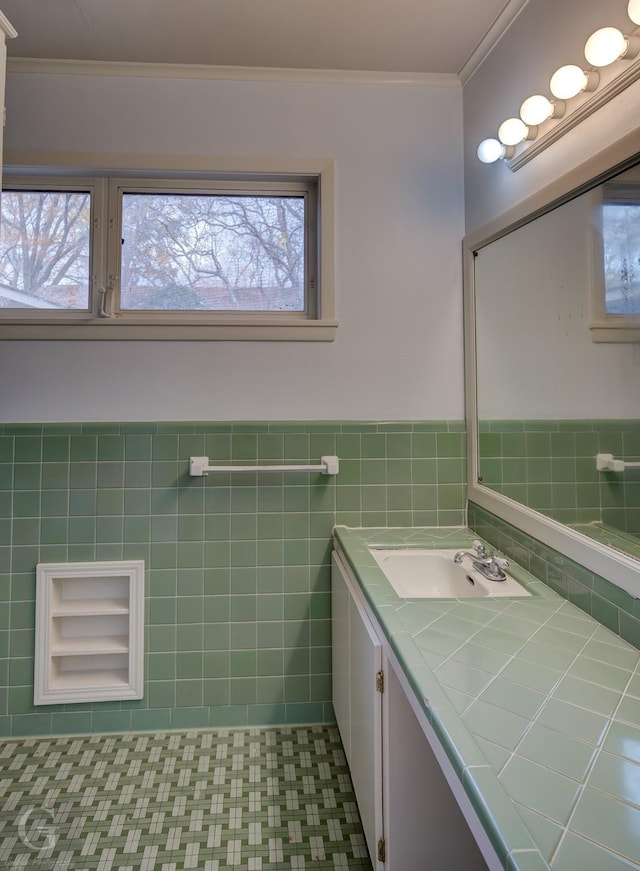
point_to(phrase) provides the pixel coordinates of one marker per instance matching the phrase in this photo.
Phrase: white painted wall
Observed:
(399, 221)
(546, 35)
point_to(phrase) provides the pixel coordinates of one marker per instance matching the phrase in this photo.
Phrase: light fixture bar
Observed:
(604, 47)
(564, 125)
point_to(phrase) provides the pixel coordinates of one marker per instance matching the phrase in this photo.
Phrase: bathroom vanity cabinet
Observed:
(410, 816)
(89, 632)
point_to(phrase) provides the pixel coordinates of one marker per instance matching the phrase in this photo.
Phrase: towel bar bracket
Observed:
(608, 463)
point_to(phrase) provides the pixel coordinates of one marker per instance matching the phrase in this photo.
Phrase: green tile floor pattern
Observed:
(251, 800)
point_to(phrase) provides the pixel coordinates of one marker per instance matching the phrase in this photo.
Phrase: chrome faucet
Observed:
(489, 565)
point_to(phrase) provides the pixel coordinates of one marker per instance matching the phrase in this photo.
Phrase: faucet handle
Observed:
(479, 548)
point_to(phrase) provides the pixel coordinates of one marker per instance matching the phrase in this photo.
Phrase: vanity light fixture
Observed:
(604, 47)
(491, 150)
(571, 80)
(608, 45)
(514, 130)
(537, 109)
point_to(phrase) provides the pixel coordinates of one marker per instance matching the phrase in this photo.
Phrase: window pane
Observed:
(621, 231)
(44, 250)
(212, 253)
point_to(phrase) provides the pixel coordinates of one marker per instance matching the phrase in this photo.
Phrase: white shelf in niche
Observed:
(89, 632)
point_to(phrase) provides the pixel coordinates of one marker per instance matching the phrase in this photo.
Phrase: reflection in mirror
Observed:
(621, 244)
(558, 363)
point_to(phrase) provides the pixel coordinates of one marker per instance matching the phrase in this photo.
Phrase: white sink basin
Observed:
(416, 573)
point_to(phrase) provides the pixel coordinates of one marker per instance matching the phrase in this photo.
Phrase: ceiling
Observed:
(411, 36)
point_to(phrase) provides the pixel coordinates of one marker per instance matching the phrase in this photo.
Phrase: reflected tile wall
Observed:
(550, 466)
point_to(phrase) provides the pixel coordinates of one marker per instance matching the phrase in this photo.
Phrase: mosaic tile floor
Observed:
(250, 800)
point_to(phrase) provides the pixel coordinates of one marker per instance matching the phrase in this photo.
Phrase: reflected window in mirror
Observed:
(621, 241)
(616, 283)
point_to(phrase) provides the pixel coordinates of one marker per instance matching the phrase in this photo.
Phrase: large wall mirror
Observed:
(553, 372)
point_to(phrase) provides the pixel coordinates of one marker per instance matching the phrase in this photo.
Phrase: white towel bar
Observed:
(607, 463)
(199, 466)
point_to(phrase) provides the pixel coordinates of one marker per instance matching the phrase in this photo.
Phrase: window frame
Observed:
(315, 323)
(97, 249)
(605, 326)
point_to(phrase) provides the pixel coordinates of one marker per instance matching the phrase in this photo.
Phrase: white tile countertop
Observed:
(536, 704)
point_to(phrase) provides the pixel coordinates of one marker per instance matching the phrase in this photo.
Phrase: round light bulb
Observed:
(633, 11)
(605, 46)
(568, 81)
(490, 150)
(512, 131)
(536, 109)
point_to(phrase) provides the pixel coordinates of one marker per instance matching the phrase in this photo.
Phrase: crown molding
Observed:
(495, 33)
(6, 27)
(53, 66)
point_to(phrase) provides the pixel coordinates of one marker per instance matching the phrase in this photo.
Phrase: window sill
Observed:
(255, 330)
(605, 331)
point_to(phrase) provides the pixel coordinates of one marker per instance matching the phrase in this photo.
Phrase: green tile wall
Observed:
(550, 466)
(238, 566)
(608, 604)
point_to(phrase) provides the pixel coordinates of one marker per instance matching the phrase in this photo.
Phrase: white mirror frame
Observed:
(616, 567)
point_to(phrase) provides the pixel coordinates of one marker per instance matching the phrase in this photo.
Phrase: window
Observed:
(225, 258)
(616, 304)
(45, 250)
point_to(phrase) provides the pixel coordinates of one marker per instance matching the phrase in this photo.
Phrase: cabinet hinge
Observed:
(382, 850)
(380, 682)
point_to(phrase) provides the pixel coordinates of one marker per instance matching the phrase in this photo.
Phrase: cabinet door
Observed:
(358, 705)
(366, 723)
(424, 825)
(340, 667)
